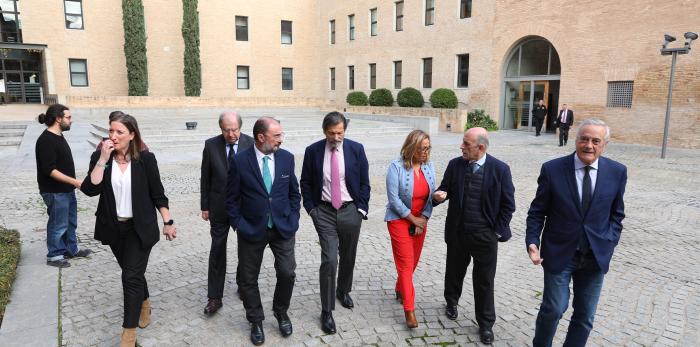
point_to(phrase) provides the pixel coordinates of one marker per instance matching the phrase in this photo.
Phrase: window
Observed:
(372, 76)
(332, 78)
(287, 78)
(397, 74)
(242, 77)
(286, 32)
(462, 70)
(620, 93)
(351, 27)
(429, 12)
(427, 72)
(78, 72)
(10, 29)
(351, 77)
(241, 28)
(465, 8)
(398, 8)
(332, 31)
(74, 14)
(373, 22)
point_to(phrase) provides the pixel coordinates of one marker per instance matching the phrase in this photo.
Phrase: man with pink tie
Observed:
(564, 121)
(335, 188)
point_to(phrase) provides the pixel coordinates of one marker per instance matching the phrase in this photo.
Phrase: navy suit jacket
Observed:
(557, 209)
(356, 174)
(497, 196)
(248, 203)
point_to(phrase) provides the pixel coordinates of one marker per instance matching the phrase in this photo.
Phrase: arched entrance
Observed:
(532, 72)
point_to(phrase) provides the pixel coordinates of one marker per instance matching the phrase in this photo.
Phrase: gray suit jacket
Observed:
(214, 175)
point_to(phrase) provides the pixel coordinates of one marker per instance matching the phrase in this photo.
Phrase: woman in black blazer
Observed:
(128, 182)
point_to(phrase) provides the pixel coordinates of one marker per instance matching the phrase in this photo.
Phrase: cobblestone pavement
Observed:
(651, 295)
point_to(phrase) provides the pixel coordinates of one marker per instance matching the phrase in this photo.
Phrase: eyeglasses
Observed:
(424, 149)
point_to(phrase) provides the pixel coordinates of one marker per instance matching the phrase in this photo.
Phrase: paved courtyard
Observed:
(651, 295)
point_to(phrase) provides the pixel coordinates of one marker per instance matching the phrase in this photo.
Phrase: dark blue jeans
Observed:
(62, 209)
(588, 281)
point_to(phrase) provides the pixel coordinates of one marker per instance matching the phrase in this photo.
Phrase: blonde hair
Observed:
(411, 146)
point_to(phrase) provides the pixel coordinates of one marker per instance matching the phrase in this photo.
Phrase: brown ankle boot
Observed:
(128, 337)
(411, 321)
(145, 316)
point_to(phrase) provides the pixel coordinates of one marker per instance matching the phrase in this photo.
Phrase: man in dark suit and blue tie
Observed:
(217, 153)
(481, 192)
(335, 186)
(577, 211)
(263, 204)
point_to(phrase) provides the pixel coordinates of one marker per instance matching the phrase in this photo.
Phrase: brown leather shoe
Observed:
(411, 321)
(145, 316)
(212, 306)
(128, 338)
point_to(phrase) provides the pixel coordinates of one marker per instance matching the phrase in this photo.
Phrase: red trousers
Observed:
(406, 249)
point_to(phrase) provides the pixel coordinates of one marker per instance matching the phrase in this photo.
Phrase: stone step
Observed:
(10, 142)
(11, 133)
(12, 126)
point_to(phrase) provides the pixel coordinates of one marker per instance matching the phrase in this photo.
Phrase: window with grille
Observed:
(620, 93)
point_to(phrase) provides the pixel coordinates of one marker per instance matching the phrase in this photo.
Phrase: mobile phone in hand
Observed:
(412, 230)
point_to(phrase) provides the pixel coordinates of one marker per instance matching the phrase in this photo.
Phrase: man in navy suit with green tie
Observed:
(263, 203)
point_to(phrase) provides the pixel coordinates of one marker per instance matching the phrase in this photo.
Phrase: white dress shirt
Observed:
(270, 163)
(235, 148)
(579, 169)
(121, 185)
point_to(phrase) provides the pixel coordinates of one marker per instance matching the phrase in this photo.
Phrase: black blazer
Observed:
(214, 175)
(147, 195)
(356, 174)
(569, 119)
(497, 196)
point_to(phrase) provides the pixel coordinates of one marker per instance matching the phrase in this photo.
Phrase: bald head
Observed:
(230, 124)
(475, 143)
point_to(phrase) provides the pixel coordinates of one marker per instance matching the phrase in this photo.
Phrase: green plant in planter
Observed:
(381, 97)
(479, 118)
(357, 99)
(443, 98)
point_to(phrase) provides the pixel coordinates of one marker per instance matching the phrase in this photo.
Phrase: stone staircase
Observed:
(165, 130)
(11, 134)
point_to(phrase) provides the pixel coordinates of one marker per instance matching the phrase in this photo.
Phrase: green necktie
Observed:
(267, 179)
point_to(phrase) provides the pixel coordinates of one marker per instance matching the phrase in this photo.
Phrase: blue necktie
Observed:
(267, 179)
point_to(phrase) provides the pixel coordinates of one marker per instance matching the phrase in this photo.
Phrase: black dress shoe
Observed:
(257, 335)
(327, 322)
(285, 324)
(451, 311)
(486, 335)
(212, 306)
(345, 300)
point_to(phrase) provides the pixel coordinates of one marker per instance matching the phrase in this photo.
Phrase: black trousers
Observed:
(483, 248)
(250, 256)
(538, 125)
(132, 259)
(338, 232)
(563, 135)
(216, 278)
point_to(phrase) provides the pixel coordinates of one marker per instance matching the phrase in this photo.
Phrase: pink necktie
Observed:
(336, 200)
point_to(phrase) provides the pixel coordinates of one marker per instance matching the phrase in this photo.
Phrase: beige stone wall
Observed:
(263, 52)
(597, 41)
(100, 42)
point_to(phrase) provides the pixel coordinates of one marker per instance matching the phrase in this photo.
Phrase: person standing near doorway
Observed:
(538, 114)
(564, 121)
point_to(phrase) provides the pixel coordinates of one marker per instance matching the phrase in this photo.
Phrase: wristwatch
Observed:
(170, 222)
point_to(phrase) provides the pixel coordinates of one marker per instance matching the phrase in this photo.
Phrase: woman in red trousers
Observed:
(410, 183)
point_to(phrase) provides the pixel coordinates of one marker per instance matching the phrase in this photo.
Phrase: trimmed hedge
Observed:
(357, 99)
(410, 97)
(443, 98)
(9, 257)
(479, 118)
(135, 47)
(190, 34)
(381, 97)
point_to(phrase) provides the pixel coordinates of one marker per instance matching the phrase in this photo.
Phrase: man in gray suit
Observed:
(218, 152)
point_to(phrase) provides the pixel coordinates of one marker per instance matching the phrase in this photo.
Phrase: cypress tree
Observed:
(190, 34)
(135, 47)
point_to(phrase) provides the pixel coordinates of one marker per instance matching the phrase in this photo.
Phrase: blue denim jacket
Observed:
(399, 190)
